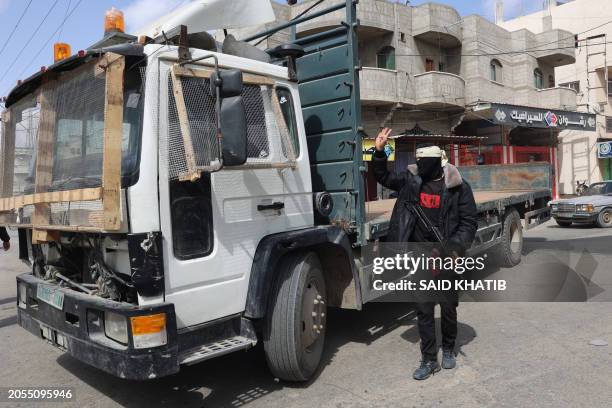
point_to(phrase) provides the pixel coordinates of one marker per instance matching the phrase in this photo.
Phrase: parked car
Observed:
(594, 206)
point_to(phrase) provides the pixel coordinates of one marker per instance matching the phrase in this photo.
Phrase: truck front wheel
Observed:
(510, 248)
(295, 325)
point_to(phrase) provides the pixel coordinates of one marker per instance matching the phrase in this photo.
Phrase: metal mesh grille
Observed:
(79, 213)
(200, 106)
(269, 142)
(79, 129)
(25, 116)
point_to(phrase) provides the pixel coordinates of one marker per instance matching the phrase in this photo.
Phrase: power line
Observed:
(15, 28)
(29, 40)
(51, 37)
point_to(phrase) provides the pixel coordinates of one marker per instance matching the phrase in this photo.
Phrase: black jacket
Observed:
(4, 236)
(458, 209)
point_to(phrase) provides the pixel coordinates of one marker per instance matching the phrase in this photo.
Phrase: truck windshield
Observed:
(80, 134)
(78, 105)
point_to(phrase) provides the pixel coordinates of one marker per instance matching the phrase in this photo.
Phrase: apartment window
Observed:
(496, 71)
(402, 37)
(538, 78)
(551, 81)
(609, 88)
(575, 85)
(385, 58)
(609, 124)
(429, 65)
(441, 66)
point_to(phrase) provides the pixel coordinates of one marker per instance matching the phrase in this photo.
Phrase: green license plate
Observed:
(50, 295)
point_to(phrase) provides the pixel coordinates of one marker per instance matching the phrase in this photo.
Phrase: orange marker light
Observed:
(61, 51)
(148, 324)
(113, 21)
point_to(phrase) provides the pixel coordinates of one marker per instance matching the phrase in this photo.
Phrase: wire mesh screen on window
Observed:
(268, 139)
(78, 104)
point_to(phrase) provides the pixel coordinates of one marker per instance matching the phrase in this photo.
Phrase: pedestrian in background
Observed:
(6, 240)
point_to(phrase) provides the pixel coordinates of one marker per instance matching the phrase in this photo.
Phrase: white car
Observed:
(593, 207)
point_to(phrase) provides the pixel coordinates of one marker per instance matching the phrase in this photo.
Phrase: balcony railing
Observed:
(437, 89)
(437, 24)
(382, 86)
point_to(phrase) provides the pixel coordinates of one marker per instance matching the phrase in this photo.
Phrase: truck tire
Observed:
(564, 223)
(508, 251)
(295, 324)
(604, 219)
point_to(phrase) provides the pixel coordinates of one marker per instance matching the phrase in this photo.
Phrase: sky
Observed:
(31, 45)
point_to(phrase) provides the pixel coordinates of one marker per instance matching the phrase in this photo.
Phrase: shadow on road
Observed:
(236, 379)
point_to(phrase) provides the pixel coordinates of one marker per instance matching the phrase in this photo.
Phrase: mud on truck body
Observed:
(183, 203)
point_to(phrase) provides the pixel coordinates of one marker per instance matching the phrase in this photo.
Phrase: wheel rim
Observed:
(606, 217)
(313, 314)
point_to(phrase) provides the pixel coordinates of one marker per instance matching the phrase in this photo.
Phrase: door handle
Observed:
(278, 205)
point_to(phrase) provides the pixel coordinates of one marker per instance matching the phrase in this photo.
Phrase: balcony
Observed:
(550, 98)
(555, 48)
(437, 24)
(383, 86)
(439, 90)
(375, 17)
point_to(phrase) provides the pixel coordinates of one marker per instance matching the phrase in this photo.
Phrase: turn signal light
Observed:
(113, 21)
(149, 331)
(61, 51)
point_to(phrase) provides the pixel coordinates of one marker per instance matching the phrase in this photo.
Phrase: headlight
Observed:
(149, 331)
(23, 295)
(115, 327)
(584, 208)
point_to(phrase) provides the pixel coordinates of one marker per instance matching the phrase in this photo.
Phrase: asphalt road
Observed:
(510, 354)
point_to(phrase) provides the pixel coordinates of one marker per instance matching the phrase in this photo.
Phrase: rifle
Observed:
(422, 218)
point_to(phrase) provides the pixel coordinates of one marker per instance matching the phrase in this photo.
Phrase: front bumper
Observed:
(78, 330)
(582, 218)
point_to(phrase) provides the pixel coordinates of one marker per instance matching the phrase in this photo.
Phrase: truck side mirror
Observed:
(227, 85)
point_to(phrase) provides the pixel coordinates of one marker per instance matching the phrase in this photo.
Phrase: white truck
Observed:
(185, 202)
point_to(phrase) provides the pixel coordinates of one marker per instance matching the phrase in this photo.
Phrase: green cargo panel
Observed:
(329, 92)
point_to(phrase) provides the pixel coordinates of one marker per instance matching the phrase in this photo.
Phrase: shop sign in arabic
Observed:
(543, 118)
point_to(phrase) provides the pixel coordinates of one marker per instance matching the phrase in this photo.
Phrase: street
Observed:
(510, 354)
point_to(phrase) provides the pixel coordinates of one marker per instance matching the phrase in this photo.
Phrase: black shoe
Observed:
(427, 368)
(448, 359)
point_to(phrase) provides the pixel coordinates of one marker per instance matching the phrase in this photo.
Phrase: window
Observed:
(496, 71)
(402, 37)
(192, 218)
(609, 88)
(538, 78)
(286, 103)
(551, 81)
(441, 66)
(385, 58)
(574, 85)
(609, 124)
(429, 65)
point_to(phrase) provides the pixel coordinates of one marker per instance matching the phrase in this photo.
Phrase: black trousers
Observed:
(427, 327)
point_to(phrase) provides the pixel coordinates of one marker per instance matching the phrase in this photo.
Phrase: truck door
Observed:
(214, 224)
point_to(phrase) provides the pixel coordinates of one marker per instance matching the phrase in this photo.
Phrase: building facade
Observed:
(433, 75)
(591, 22)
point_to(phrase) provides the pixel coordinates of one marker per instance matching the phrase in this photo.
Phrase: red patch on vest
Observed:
(430, 200)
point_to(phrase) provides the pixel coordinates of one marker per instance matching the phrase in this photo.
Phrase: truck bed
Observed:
(378, 212)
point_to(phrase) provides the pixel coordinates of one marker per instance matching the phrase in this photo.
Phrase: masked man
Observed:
(448, 203)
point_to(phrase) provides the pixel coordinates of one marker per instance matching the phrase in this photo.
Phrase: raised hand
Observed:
(381, 139)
